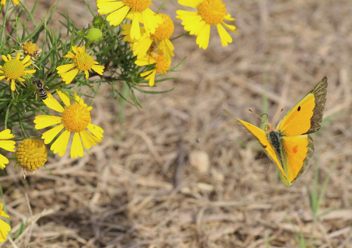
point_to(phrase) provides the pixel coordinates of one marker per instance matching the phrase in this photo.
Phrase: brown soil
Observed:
(149, 185)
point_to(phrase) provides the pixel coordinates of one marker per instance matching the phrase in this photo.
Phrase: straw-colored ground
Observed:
(149, 185)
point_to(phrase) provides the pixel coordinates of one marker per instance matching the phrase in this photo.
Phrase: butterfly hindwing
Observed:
(298, 151)
(306, 115)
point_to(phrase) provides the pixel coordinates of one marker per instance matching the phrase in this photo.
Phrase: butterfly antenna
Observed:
(276, 116)
(259, 116)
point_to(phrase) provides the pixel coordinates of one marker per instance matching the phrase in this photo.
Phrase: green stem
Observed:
(161, 6)
(108, 30)
(7, 114)
(90, 9)
(180, 36)
(22, 127)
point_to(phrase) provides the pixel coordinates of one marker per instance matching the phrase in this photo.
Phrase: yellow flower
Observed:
(31, 49)
(3, 2)
(162, 64)
(136, 10)
(75, 118)
(160, 39)
(31, 154)
(82, 61)
(210, 13)
(15, 68)
(6, 144)
(4, 227)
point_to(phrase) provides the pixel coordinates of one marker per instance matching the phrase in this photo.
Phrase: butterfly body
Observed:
(289, 145)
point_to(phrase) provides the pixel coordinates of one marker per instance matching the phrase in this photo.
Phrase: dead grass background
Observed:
(141, 190)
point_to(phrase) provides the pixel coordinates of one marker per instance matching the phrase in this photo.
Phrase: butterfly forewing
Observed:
(306, 115)
(262, 138)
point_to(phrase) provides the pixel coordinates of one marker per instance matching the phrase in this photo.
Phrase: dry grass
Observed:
(139, 189)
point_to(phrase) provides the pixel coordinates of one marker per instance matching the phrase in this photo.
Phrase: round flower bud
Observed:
(98, 22)
(94, 34)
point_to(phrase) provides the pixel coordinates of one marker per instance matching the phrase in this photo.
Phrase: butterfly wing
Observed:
(263, 140)
(305, 117)
(298, 151)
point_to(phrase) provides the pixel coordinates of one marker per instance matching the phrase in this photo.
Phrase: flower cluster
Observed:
(151, 43)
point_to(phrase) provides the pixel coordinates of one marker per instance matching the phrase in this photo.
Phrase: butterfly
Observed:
(289, 145)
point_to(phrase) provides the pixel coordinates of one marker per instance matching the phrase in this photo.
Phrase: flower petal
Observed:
(69, 55)
(118, 16)
(232, 28)
(26, 59)
(8, 145)
(13, 85)
(228, 17)
(75, 49)
(4, 229)
(3, 214)
(49, 135)
(141, 47)
(192, 22)
(146, 60)
(64, 68)
(43, 121)
(6, 134)
(135, 30)
(151, 21)
(146, 73)
(203, 37)
(64, 98)
(96, 131)
(224, 35)
(105, 7)
(190, 3)
(3, 162)
(151, 78)
(88, 139)
(4, 58)
(52, 103)
(60, 145)
(98, 69)
(69, 76)
(76, 147)
(86, 74)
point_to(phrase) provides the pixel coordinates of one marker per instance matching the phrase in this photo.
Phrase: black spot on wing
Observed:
(299, 108)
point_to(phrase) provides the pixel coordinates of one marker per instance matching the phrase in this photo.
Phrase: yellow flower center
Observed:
(14, 69)
(83, 61)
(164, 30)
(31, 48)
(31, 154)
(137, 5)
(76, 117)
(162, 64)
(212, 11)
